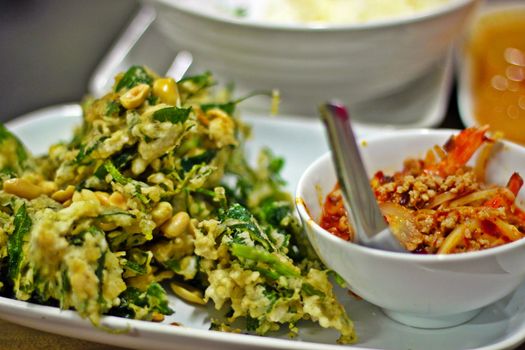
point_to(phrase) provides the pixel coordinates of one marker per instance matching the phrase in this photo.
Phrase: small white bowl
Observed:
(426, 291)
(312, 63)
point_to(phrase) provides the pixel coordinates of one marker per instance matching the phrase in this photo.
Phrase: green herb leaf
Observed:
(338, 279)
(120, 160)
(202, 80)
(228, 107)
(157, 299)
(84, 151)
(20, 151)
(271, 295)
(138, 262)
(172, 114)
(274, 212)
(22, 224)
(205, 157)
(132, 299)
(252, 324)
(191, 86)
(78, 239)
(121, 179)
(310, 290)
(134, 76)
(113, 108)
(238, 218)
(99, 272)
(4, 133)
(173, 265)
(282, 267)
(66, 284)
(115, 173)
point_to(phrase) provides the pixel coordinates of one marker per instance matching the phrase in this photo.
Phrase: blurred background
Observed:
(50, 48)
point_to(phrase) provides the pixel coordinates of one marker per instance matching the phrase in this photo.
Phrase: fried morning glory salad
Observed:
(153, 193)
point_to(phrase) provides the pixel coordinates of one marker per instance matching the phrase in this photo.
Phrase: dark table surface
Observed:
(49, 49)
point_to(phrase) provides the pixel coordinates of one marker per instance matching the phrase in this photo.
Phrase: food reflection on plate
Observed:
(495, 56)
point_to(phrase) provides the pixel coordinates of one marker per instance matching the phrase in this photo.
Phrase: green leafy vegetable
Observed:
(238, 218)
(140, 304)
(137, 262)
(9, 143)
(157, 299)
(121, 179)
(193, 85)
(85, 151)
(114, 108)
(116, 174)
(284, 268)
(202, 81)
(205, 157)
(22, 224)
(252, 324)
(310, 290)
(173, 115)
(228, 107)
(274, 212)
(120, 161)
(134, 76)
(100, 274)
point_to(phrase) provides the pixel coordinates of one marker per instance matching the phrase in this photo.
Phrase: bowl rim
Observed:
(304, 213)
(442, 9)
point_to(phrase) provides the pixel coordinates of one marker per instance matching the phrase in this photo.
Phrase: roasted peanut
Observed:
(176, 225)
(116, 199)
(103, 198)
(161, 213)
(157, 316)
(63, 195)
(187, 293)
(138, 165)
(135, 96)
(22, 188)
(108, 226)
(48, 187)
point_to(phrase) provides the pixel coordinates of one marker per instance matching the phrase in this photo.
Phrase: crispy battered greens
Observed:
(154, 187)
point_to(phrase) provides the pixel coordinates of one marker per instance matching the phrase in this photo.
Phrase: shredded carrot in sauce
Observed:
(439, 204)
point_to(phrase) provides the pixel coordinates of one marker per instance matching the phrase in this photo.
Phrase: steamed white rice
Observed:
(343, 11)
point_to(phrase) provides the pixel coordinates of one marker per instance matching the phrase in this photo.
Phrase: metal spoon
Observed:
(368, 221)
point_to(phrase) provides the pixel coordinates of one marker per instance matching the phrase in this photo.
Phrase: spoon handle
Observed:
(365, 212)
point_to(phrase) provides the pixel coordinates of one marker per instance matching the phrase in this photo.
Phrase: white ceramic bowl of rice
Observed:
(353, 50)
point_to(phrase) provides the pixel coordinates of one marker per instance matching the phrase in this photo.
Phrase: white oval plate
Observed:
(300, 141)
